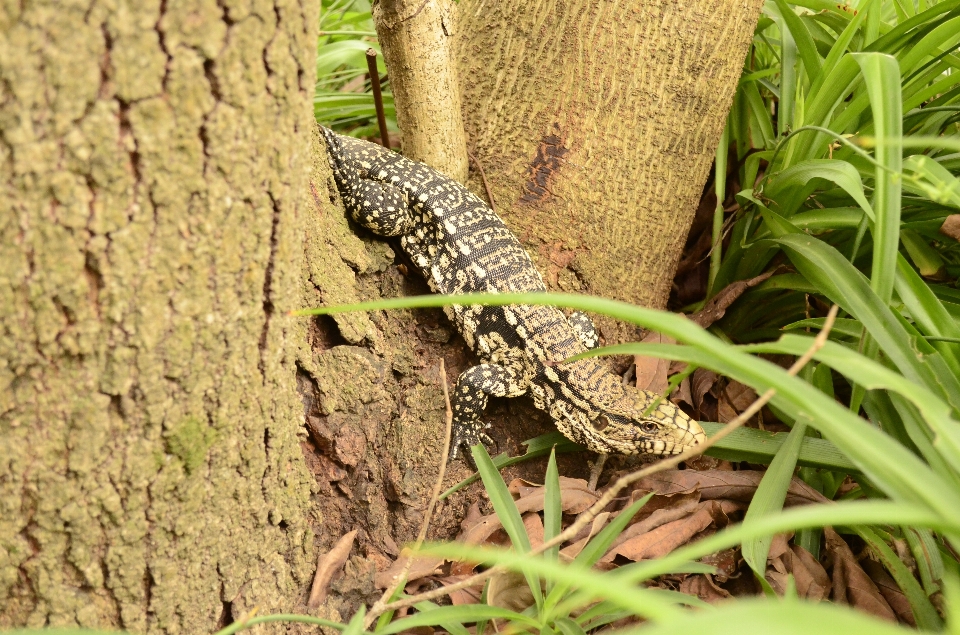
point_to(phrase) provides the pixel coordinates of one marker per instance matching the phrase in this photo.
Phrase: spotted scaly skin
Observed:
(461, 246)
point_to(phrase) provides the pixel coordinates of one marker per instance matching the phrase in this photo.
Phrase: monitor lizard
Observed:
(460, 245)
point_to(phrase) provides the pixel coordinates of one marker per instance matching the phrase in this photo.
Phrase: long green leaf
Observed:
(841, 45)
(843, 284)
(792, 186)
(507, 512)
(882, 76)
(637, 600)
(761, 617)
(923, 611)
(804, 42)
(770, 496)
(464, 613)
(874, 376)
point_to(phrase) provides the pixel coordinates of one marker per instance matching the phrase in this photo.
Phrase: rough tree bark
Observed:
(154, 163)
(597, 123)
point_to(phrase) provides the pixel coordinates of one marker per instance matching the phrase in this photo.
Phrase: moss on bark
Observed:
(154, 160)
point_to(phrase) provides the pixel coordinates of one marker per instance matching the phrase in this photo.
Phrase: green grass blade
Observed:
(506, 511)
(720, 188)
(462, 614)
(803, 40)
(759, 115)
(841, 45)
(355, 625)
(350, 53)
(868, 512)
(843, 284)
(792, 186)
(637, 600)
(760, 617)
(566, 626)
(943, 37)
(501, 499)
(874, 376)
(597, 545)
(882, 75)
(923, 611)
(454, 628)
(552, 510)
(769, 499)
(928, 312)
(759, 446)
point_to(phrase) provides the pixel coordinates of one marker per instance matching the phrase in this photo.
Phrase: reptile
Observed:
(460, 245)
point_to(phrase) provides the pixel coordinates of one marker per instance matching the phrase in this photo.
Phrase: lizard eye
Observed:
(648, 426)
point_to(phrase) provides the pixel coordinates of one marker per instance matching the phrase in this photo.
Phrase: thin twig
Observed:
(624, 481)
(377, 97)
(483, 177)
(380, 606)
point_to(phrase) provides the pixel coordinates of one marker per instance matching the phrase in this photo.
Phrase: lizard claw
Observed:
(466, 436)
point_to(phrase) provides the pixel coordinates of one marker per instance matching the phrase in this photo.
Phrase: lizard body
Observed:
(461, 246)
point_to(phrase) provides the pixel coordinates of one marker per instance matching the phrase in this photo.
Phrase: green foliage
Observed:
(342, 99)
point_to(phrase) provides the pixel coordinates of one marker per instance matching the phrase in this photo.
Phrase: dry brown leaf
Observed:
(685, 506)
(509, 590)
(470, 595)
(682, 393)
(421, 568)
(666, 538)
(521, 487)
(851, 584)
(727, 563)
(890, 591)
(951, 226)
(704, 588)
(701, 383)
(716, 484)
(573, 500)
(327, 565)
(779, 545)
(534, 526)
(581, 539)
(717, 306)
(810, 578)
(738, 395)
(652, 371)
(658, 502)
(472, 518)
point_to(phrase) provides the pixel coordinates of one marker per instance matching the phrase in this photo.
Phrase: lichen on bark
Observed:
(153, 190)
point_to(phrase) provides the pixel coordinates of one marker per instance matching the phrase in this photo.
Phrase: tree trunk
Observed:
(153, 198)
(596, 124)
(416, 38)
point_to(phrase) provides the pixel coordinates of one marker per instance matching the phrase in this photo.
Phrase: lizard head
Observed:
(627, 428)
(622, 425)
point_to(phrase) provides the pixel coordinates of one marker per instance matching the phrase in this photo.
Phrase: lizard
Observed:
(460, 245)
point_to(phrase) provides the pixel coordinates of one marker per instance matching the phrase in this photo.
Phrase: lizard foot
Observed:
(466, 436)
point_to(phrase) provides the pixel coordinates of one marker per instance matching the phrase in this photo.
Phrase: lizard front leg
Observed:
(377, 205)
(470, 396)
